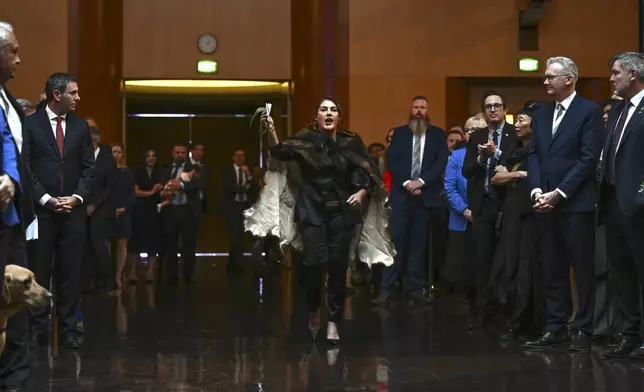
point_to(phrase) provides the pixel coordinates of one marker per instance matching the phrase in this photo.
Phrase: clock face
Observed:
(207, 43)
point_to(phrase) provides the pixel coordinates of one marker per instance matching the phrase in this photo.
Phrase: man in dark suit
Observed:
(239, 189)
(17, 211)
(61, 160)
(101, 213)
(562, 162)
(181, 218)
(416, 159)
(486, 148)
(621, 176)
(203, 171)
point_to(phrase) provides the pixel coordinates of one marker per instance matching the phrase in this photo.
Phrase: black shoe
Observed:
(626, 345)
(381, 300)
(638, 353)
(420, 299)
(12, 389)
(580, 342)
(72, 341)
(549, 339)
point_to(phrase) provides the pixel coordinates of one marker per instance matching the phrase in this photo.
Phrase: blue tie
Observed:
(10, 167)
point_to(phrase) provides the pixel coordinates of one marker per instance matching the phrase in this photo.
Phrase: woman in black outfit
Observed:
(337, 177)
(146, 222)
(124, 198)
(517, 265)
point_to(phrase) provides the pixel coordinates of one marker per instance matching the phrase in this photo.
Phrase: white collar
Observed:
(52, 116)
(566, 102)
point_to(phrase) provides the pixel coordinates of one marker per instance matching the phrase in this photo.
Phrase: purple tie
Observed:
(612, 149)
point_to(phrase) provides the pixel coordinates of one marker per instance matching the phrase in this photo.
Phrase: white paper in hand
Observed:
(268, 109)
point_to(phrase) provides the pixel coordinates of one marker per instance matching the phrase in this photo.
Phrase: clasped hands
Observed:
(414, 187)
(63, 204)
(544, 202)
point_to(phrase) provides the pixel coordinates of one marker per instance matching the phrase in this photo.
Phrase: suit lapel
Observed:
(45, 127)
(567, 117)
(632, 122)
(70, 134)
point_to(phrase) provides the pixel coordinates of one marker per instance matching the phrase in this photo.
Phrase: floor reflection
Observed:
(247, 332)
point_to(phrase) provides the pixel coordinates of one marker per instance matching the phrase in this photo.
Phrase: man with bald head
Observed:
(16, 210)
(238, 190)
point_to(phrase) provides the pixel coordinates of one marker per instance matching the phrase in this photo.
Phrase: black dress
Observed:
(147, 234)
(516, 273)
(124, 196)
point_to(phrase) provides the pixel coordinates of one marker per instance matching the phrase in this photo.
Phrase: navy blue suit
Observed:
(567, 161)
(622, 208)
(410, 220)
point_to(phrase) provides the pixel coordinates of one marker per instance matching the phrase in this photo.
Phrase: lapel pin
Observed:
(640, 190)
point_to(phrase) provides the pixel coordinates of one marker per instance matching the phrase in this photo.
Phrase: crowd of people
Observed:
(525, 202)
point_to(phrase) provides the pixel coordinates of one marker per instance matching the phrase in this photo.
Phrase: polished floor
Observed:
(247, 333)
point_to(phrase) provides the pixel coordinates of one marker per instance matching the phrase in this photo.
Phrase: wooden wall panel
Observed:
(160, 38)
(402, 48)
(41, 28)
(95, 57)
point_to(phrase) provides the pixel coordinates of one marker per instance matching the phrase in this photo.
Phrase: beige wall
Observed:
(160, 38)
(41, 28)
(408, 47)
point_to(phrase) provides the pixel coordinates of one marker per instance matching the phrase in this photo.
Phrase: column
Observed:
(320, 57)
(96, 58)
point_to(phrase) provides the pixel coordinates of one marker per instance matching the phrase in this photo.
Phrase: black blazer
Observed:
(206, 178)
(399, 160)
(102, 185)
(476, 173)
(47, 166)
(24, 199)
(229, 189)
(629, 160)
(191, 188)
(333, 175)
(568, 159)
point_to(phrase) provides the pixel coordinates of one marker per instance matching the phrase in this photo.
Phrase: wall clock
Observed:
(207, 44)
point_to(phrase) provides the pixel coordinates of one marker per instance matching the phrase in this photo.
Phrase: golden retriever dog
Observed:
(20, 291)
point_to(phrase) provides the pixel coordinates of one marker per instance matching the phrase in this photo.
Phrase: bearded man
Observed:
(416, 159)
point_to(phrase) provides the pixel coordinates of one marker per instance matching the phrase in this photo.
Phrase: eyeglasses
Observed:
(550, 78)
(472, 130)
(495, 106)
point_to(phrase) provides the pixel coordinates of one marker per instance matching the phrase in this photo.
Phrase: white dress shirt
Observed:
(96, 152)
(555, 123)
(12, 117)
(244, 181)
(52, 121)
(422, 153)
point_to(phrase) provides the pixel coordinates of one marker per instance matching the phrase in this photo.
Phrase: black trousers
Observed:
(235, 223)
(98, 262)
(60, 237)
(625, 245)
(14, 362)
(568, 239)
(327, 246)
(181, 226)
(484, 234)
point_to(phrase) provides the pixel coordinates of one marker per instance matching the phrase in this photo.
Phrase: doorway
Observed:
(217, 114)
